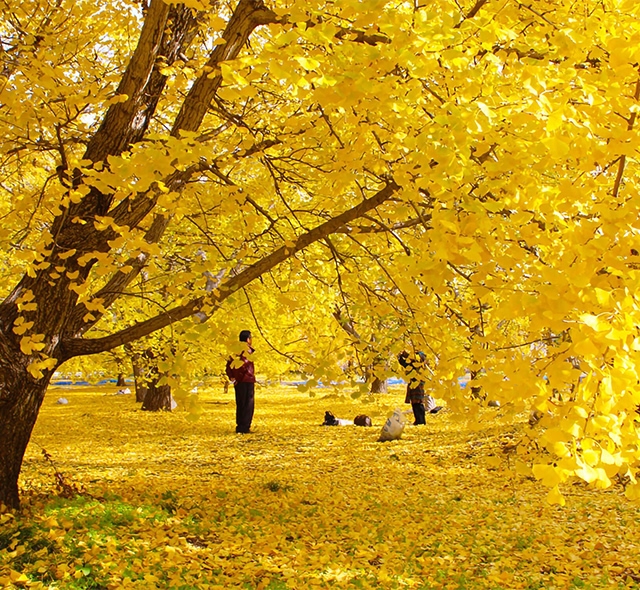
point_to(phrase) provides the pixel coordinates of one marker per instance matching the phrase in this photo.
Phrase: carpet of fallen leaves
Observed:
(118, 498)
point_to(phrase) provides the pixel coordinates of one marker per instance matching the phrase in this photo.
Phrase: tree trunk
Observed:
(476, 390)
(20, 399)
(138, 379)
(120, 382)
(379, 386)
(158, 397)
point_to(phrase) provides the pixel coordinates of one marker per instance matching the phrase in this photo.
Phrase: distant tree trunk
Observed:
(120, 382)
(476, 390)
(138, 379)
(379, 386)
(158, 397)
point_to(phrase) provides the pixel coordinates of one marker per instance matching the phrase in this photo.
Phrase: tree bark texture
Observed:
(139, 380)
(20, 399)
(379, 385)
(158, 397)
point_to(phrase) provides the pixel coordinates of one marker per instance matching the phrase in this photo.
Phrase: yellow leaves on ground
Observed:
(166, 503)
(555, 497)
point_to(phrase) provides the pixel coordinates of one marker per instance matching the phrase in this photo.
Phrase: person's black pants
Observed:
(419, 413)
(244, 406)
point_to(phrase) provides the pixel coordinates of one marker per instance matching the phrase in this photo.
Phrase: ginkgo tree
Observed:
(429, 160)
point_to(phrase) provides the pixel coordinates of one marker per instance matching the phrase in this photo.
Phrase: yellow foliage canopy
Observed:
(460, 178)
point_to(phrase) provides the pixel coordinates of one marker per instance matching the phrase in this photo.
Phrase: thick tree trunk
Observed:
(120, 382)
(20, 399)
(158, 398)
(379, 386)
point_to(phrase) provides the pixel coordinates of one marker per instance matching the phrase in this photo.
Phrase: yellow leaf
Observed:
(632, 492)
(606, 457)
(20, 326)
(555, 497)
(523, 469)
(555, 120)
(587, 473)
(486, 111)
(308, 63)
(17, 577)
(118, 98)
(560, 449)
(593, 321)
(582, 413)
(557, 148)
(67, 254)
(493, 461)
(555, 435)
(548, 474)
(32, 343)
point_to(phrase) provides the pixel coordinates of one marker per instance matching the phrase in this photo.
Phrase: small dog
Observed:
(331, 420)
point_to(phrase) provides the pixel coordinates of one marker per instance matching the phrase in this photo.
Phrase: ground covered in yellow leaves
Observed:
(128, 499)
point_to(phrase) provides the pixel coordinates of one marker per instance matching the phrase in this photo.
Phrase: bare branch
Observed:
(264, 337)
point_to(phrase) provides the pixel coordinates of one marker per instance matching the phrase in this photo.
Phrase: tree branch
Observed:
(118, 282)
(78, 346)
(381, 228)
(113, 135)
(623, 159)
(478, 5)
(264, 337)
(248, 15)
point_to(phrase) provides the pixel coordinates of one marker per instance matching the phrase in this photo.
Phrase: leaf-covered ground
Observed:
(168, 503)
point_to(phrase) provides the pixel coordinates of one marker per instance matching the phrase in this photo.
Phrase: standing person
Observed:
(241, 372)
(415, 389)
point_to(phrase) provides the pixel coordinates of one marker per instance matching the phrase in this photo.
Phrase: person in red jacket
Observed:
(241, 372)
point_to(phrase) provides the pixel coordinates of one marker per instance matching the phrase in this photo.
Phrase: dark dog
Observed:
(331, 420)
(362, 420)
